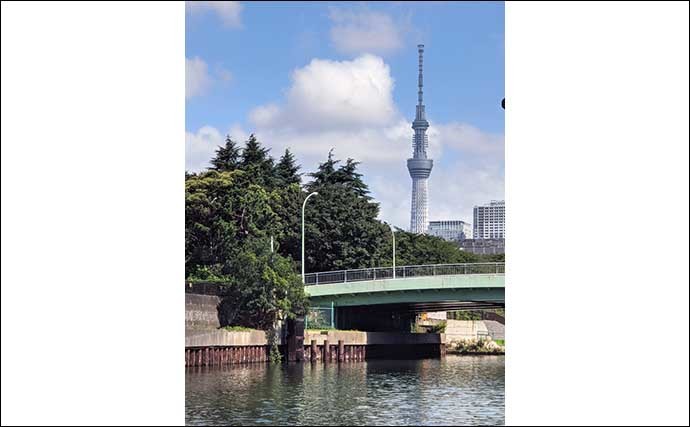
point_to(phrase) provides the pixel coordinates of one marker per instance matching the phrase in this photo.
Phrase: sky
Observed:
(316, 76)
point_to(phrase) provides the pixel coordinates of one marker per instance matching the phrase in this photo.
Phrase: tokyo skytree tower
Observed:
(419, 165)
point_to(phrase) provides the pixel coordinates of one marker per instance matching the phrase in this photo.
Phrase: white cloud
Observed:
(365, 31)
(334, 94)
(227, 11)
(468, 138)
(197, 79)
(348, 106)
(456, 189)
(201, 146)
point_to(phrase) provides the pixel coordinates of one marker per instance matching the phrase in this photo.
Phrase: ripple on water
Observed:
(455, 390)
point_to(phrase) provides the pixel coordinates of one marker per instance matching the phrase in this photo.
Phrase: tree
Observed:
(492, 257)
(286, 170)
(209, 230)
(422, 249)
(289, 210)
(342, 231)
(223, 211)
(226, 159)
(256, 162)
(263, 289)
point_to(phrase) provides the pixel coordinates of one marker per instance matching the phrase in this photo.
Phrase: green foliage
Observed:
(464, 315)
(476, 346)
(226, 157)
(342, 229)
(491, 258)
(205, 273)
(231, 214)
(258, 165)
(438, 328)
(287, 169)
(420, 249)
(274, 355)
(319, 318)
(264, 287)
(223, 212)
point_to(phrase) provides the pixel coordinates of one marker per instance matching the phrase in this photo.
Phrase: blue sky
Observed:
(311, 76)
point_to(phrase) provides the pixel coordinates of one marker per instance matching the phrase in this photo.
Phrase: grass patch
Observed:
(237, 329)
(500, 342)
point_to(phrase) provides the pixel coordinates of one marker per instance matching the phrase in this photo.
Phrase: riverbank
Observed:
(232, 346)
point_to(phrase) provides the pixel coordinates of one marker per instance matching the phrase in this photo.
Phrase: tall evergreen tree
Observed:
(343, 231)
(253, 152)
(287, 169)
(324, 174)
(257, 163)
(288, 182)
(226, 157)
(348, 176)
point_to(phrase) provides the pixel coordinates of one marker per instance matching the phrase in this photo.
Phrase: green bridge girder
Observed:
(426, 291)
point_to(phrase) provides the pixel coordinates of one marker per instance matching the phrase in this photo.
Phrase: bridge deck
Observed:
(485, 288)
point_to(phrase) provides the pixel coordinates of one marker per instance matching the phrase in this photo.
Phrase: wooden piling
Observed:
(341, 351)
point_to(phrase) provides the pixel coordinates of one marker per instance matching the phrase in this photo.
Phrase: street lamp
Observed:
(393, 233)
(303, 205)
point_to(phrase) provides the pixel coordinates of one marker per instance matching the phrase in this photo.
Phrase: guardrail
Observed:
(403, 272)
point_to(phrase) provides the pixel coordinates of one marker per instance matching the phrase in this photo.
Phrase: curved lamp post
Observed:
(393, 233)
(303, 205)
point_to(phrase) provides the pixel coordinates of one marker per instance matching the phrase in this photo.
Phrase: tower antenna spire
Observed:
(420, 93)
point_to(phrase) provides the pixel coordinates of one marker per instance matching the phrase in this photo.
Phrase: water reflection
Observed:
(455, 390)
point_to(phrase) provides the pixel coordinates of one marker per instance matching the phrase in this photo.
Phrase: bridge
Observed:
(391, 297)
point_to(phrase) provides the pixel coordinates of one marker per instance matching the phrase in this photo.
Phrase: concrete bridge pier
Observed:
(295, 340)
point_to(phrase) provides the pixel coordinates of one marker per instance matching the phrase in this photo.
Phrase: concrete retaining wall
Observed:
(223, 338)
(201, 312)
(465, 329)
(374, 338)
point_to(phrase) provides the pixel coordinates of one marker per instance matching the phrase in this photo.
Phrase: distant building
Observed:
(451, 230)
(490, 221)
(483, 246)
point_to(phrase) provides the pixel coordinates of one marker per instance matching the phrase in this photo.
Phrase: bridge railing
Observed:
(402, 272)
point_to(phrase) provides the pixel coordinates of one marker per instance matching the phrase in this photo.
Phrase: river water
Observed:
(456, 390)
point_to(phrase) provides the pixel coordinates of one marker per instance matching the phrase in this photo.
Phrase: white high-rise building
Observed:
(490, 220)
(419, 165)
(451, 230)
